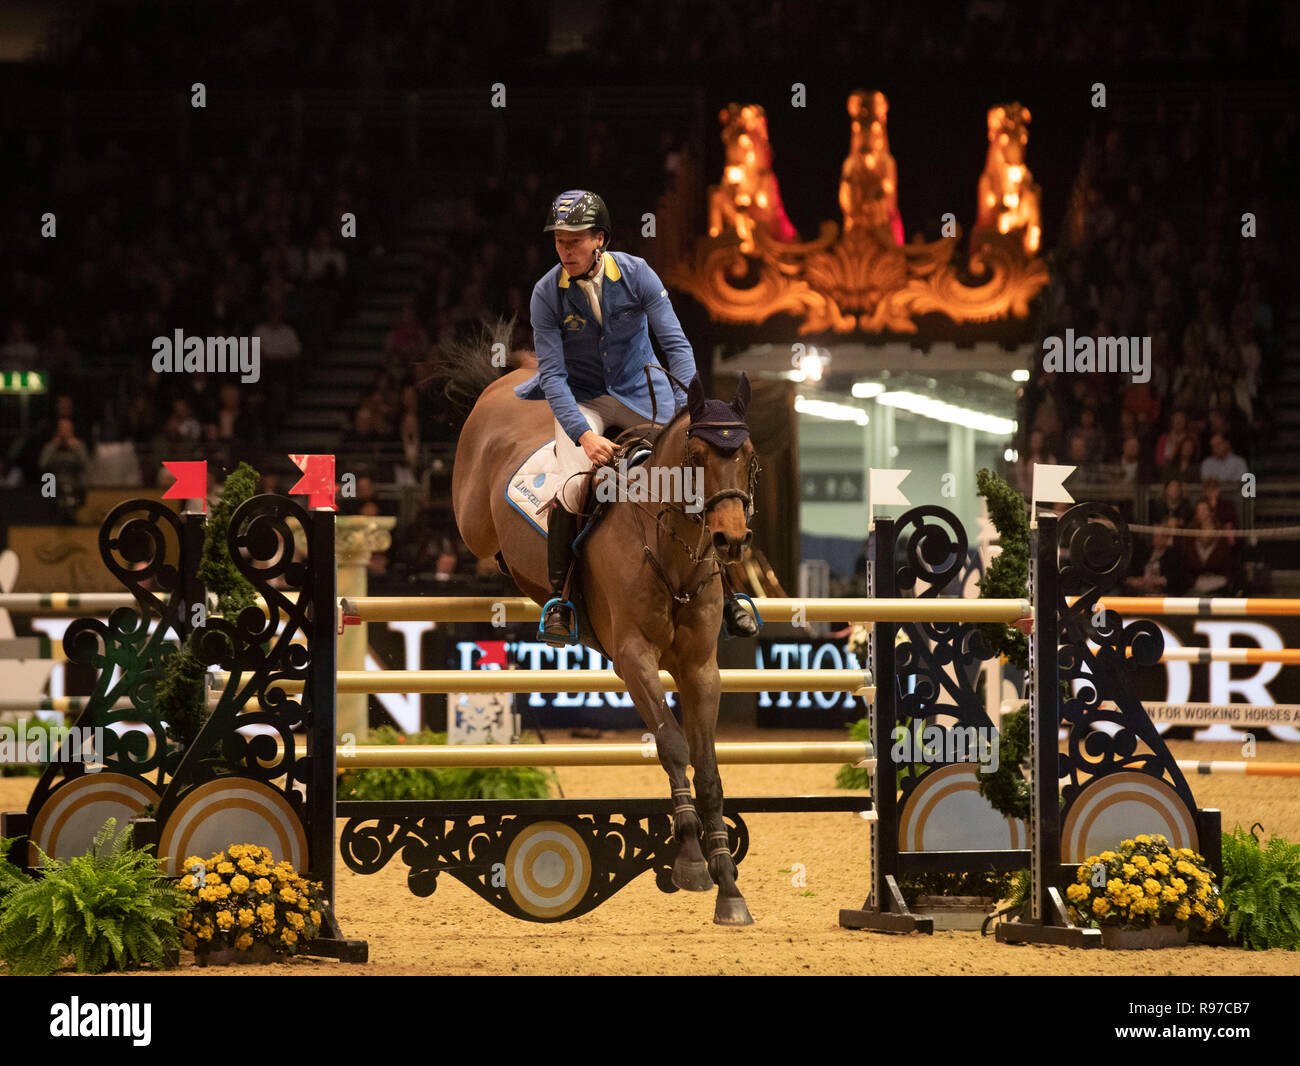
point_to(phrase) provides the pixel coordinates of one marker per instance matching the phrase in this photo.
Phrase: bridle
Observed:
(703, 551)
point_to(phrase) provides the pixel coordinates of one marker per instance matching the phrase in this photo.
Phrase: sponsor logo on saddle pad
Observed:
(534, 485)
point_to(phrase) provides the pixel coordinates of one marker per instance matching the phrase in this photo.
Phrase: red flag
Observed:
(191, 480)
(317, 481)
(494, 653)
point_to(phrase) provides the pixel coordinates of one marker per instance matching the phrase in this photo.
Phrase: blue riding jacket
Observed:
(578, 359)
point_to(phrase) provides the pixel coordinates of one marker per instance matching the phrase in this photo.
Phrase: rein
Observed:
(702, 552)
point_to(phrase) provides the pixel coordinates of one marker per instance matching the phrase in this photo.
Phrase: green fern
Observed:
(1261, 891)
(11, 878)
(113, 907)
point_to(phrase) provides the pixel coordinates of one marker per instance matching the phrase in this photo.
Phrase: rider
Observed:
(590, 314)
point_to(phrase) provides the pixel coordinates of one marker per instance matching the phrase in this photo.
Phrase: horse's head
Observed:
(718, 448)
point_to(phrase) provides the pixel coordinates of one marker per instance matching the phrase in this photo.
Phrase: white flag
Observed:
(1049, 483)
(884, 488)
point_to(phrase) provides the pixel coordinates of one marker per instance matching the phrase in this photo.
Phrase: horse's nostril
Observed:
(720, 541)
(744, 542)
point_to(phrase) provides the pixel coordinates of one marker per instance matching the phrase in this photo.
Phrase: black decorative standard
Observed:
(154, 553)
(1084, 656)
(244, 774)
(539, 860)
(935, 669)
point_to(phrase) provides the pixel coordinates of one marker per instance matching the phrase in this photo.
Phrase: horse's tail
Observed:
(464, 367)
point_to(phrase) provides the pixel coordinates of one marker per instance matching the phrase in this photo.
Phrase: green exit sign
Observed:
(23, 381)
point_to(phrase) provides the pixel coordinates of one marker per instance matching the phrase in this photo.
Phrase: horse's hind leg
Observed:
(701, 687)
(639, 668)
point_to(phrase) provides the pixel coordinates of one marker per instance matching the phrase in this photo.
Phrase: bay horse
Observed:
(649, 580)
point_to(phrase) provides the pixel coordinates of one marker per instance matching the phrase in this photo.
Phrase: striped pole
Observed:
(1192, 607)
(858, 682)
(1246, 769)
(37, 647)
(56, 703)
(29, 602)
(1241, 656)
(519, 609)
(502, 755)
(65, 601)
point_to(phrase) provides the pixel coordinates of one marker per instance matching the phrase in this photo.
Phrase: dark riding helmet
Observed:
(578, 210)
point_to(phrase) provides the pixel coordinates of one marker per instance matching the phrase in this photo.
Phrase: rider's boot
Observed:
(560, 530)
(737, 621)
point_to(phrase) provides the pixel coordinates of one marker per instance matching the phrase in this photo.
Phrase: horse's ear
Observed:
(695, 397)
(742, 395)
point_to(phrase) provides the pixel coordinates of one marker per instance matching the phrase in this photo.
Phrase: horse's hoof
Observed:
(692, 876)
(731, 910)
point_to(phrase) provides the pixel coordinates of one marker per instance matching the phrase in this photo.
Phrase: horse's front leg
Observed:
(700, 687)
(638, 665)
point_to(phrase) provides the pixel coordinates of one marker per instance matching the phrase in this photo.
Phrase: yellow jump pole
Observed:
(519, 609)
(496, 755)
(429, 681)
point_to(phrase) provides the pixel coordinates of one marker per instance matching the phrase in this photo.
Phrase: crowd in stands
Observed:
(1162, 261)
(241, 237)
(246, 244)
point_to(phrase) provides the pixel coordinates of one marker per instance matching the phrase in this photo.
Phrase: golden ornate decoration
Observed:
(748, 198)
(1008, 197)
(858, 278)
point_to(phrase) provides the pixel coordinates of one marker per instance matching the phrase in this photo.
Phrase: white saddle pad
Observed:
(537, 480)
(534, 485)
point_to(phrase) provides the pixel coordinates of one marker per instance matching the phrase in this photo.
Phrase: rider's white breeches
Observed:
(605, 415)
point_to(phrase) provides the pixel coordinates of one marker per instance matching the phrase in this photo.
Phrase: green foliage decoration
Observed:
(1008, 575)
(216, 570)
(1006, 788)
(111, 908)
(451, 782)
(1261, 891)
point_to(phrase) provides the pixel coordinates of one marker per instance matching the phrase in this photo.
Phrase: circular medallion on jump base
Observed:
(548, 869)
(232, 810)
(66, 825)
(1120, 806)
(946, 812)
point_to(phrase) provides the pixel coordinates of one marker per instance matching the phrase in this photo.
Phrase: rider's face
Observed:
(576, 249)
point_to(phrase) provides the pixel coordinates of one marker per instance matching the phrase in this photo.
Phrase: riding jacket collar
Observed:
(611, 271)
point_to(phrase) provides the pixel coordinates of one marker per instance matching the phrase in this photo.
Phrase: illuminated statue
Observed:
(1008, 197)
(869, 177)
(748, 198)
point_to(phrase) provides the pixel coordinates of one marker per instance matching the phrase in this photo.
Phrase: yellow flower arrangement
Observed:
(242, 896)
(1146, 882)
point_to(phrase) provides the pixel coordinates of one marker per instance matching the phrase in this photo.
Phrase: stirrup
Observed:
(550, 638)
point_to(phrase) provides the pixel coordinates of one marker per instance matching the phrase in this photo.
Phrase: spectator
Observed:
(279, 341)
(1167, 447)
(181, 426)
(1037, 452)
(1223, 464)
(1173, 503)
(1207, 558)
(1159, 568)
(1086, 472)
(66, 458)
(17, 353)
(1185, 468)
(1222, 507)
(1132, 469)
(407, 339)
